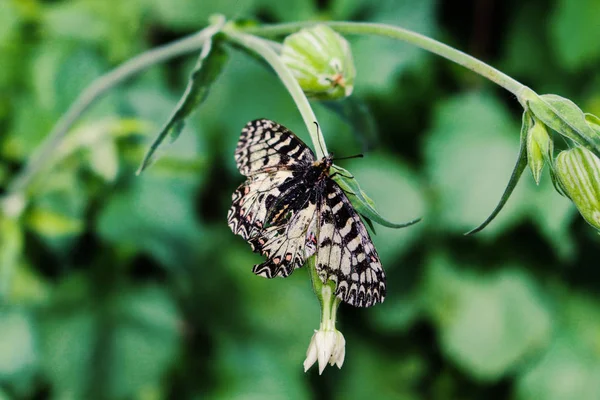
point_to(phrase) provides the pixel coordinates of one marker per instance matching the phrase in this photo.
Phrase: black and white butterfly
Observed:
(290, 209)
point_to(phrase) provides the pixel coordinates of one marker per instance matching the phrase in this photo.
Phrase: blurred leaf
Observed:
(470, 151)
(11, 247)
(61, 72)
(395, 190)
(18, 347)
(194, 14)
(368, 372)
(571, 366)
(207, 69)
(355, 112)
(289, 11)
(110, 350)
(400, 310)
(51, 224)
(252, 370)
(155, 215)
(391, 56)
(104, 160)
(363, 203)
(274, 298)
(75, 20)
(9, 22)
(574, 30)
(28, 287)
(520, 166)
(487, 324)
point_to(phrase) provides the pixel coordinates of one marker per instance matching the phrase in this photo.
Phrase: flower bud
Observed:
(578, 173)
(321, 60)
(539, 148)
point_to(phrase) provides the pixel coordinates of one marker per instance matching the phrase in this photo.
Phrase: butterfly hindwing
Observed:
(253, 199)
(266, 146)
(345, 252)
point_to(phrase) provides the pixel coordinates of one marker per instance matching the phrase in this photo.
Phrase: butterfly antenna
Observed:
(349, 157)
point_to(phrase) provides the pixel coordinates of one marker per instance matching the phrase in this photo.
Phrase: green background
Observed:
(122, 287)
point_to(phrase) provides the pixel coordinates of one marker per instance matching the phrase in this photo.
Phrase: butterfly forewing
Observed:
(266, 146)
(289, 209)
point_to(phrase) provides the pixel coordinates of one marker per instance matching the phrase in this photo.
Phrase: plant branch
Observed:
(94, 91)
(265, 49)
(405, 35)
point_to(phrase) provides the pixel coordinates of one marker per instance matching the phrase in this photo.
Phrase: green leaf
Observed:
(470, 148)
(256, 369)
(18, 346)
(569, 369)
(487, 324)
(208, 67)
(155, 215)
(372, 372)
(112, 349)
(392, 57)
(355, 112)
(594, 122)
(566, 118)
(52, 224)
(574, 30)
(104, 159)
(11, 247)
(361, 202)
(397, 191)
(515, 176)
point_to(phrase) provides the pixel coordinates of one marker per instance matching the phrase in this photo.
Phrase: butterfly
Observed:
(290, 209)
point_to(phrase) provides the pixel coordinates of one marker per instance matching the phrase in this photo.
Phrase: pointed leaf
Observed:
(514, 178)
(361, 202)
(594, 122)
(355, 112)
(208, 67)
(566, 118)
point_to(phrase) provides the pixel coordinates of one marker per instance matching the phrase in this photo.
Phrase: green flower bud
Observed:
(578, 173)
(321, 61)
(539, 148)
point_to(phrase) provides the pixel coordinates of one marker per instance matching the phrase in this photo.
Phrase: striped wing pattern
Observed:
(266, 146)
(346, 254)
(289, 209)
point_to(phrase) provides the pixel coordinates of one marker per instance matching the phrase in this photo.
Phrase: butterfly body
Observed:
(289, 209)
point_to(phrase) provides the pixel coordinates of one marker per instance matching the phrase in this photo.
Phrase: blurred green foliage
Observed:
(115, 286)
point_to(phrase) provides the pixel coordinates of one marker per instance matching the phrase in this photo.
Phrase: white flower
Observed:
(326, 345)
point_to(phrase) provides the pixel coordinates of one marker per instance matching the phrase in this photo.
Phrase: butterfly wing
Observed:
(252, 201)
(266, 146)
(273, 209)
(345, 253)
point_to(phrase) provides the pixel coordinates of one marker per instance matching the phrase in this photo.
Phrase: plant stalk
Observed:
(264, 49)
(393, 32)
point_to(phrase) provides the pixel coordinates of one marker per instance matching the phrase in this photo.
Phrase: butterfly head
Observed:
(323, 166)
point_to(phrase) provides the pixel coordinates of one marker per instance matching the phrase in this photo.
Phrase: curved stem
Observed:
(94, 91)
(265, 50)
(405, 35)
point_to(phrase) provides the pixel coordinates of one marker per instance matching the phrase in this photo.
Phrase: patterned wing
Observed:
(252, 201)
(345, 253)
(266, 146)
(286, 246)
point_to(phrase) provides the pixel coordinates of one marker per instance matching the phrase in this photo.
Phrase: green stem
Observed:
(325, 293)
(93, 92)
(265, 50)
(405, 35)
